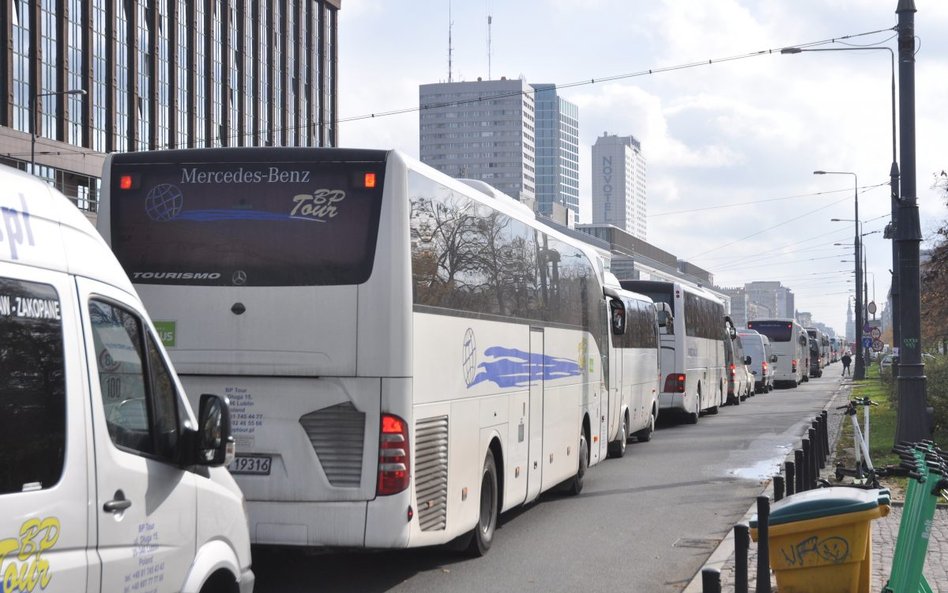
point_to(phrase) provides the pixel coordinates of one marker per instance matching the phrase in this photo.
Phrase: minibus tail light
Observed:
(793, 365)
(394, 456)
(733, 370)
(675, 383)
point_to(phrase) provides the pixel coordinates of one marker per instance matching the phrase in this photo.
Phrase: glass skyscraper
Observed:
(557, 151)
(158, 74)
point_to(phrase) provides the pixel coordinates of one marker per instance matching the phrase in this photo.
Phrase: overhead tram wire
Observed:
(763, 201)
(613, 78)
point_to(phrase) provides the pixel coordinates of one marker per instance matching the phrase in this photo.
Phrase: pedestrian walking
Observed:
(847, 359)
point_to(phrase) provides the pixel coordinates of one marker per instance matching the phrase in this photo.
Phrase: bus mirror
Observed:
(747, 360)
(215, 443)
(665, 318)
(618, 317)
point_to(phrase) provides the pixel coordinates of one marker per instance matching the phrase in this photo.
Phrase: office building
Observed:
(771, 296)
(557, 151)
(484, 130)
(82, 78)
(618, 184)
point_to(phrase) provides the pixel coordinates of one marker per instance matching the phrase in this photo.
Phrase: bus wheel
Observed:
(692, 418)
(487, 521)
(645, 435)
(617, 447)
(575, 484)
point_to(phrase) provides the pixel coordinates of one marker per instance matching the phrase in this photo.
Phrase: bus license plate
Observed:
(257, 465)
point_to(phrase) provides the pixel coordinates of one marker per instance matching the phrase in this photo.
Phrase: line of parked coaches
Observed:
(750, 359)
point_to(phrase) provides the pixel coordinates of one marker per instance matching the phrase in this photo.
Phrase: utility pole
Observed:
(913, 417)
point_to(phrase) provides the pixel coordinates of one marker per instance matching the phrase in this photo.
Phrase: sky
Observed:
(731, 142)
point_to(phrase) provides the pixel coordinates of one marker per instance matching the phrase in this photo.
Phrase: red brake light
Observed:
(675, 383)
(369, 180)
(763, 365)
(733, 370)
(793, 365)
(394, 456)
(125, 182)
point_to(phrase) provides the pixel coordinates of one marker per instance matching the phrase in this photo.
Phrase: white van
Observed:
(757, 347)
(107, 481)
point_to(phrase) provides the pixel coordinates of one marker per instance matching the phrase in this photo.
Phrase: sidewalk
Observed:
(884, 534)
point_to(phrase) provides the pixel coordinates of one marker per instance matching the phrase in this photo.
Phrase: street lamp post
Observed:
(893, 182)
(859, 370)
(36, 97)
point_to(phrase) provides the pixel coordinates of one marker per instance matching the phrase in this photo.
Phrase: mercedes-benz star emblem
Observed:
(239, 278)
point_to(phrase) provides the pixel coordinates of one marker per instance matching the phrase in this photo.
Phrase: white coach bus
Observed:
(790, 343)
(405, 356)
(633, 372)
(692, 347)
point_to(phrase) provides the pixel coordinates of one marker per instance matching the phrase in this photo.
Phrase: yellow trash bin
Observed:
(821, 540)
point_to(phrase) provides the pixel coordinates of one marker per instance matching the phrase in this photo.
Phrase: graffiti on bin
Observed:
(833, 549)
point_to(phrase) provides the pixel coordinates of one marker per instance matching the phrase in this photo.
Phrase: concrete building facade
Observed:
(484, 130)
(619, 184)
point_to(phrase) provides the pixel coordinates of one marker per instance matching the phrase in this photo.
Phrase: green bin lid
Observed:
(824, 502)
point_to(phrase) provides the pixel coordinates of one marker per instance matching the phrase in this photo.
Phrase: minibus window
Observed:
(32, 387)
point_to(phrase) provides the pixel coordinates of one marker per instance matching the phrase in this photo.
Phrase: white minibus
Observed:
(108, 482)
(789, 342)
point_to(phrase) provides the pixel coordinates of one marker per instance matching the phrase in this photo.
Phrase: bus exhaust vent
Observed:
(337, 434)
(431, 472)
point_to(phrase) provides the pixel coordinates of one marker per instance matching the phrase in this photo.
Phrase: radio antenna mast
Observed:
(488, 42)
(450, 48)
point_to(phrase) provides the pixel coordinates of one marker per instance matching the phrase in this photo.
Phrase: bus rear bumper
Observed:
(671, 401)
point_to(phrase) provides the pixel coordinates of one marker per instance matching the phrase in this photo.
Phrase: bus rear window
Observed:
(777, 331)
(289, 223)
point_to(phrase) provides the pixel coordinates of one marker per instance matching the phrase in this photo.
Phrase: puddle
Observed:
(763, 469)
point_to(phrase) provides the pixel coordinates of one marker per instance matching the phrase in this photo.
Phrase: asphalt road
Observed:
(643, 524)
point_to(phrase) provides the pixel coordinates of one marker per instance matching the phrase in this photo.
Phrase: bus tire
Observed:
(483, 534)
(617, 447)
(692, 417)
(645, 435)
(575, 484)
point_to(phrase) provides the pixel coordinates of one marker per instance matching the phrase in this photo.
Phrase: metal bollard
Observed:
(763, 545)
(798, 459)
(789, 470)
(710, 580)
(817, 439)
(741, 546)
(807, 464)
(778, 488)
(814, 455)
(826, 439)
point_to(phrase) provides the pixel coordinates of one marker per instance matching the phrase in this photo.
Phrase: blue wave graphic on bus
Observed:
(227, 214)
(516, 368)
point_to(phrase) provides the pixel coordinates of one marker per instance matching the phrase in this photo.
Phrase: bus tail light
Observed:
(394, 456)
(763, 367)
(793, 365)
(675, 383)
(733, 370)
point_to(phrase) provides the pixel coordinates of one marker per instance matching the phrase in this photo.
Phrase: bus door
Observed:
(535, 432)
(614, 387)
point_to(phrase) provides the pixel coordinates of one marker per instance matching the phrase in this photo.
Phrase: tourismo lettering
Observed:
(17, 226)
(318, 206)
(176, 275)
(23, 555)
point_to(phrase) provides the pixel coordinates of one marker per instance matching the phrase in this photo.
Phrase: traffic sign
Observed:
(871, 307)
(866, 327)
(866, 342)
(875, 332)
(877, 345)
